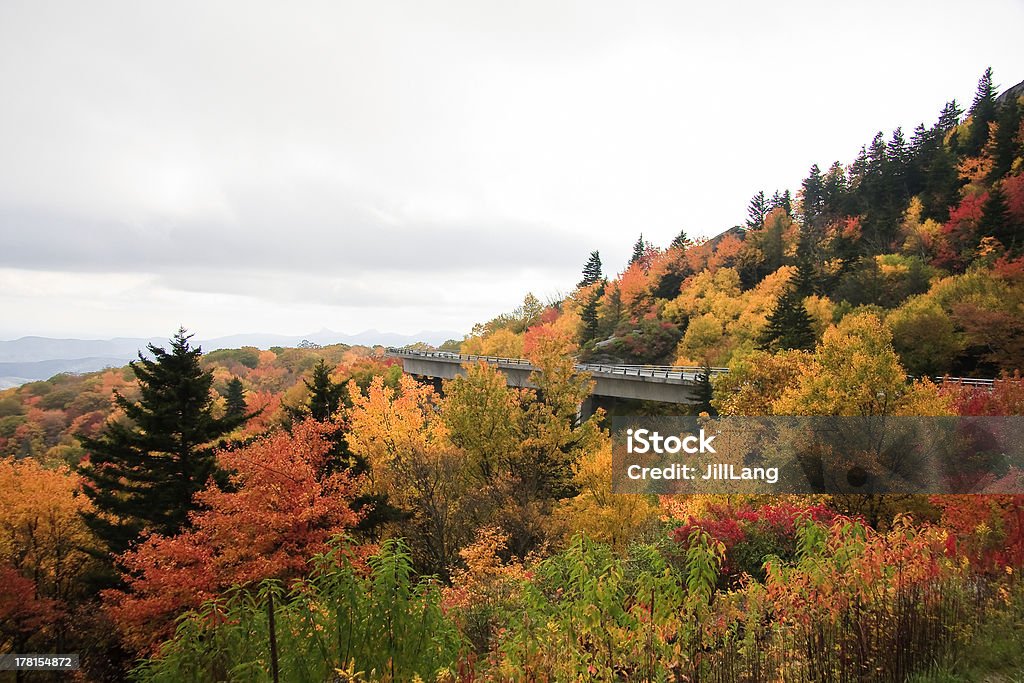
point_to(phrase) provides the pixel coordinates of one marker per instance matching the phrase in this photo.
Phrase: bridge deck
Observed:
(667, 383)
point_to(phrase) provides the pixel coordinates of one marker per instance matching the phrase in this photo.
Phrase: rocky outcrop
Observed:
(1011, 93)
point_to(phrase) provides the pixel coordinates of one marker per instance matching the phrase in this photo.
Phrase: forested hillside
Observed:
(41, 419)
(316, 515)
(924, 230)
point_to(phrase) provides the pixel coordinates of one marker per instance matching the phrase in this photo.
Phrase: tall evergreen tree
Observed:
(997, 221)
(919, 151)
(757, 210)
(834, 191)
(805, 280)
(325, 395)
(1008, 143)
(705, 391)
(325, 400)
(787, 202)
(142, 473)
(789, 325)
(878, 154)
(781, 200)
(592, 270)
(639, 249)
(681, 241)
(983, 112)
(899, 163)
(949, 117)
(235, 406)
(812, 198)
(859, 169)
(589, 318)
(940, 180)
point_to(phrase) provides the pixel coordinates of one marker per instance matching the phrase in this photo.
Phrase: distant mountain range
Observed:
(33, 358)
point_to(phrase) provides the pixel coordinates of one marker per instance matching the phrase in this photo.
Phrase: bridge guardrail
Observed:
(965, 381)
(654, 371)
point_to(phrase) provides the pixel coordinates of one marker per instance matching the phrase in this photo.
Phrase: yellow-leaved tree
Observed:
(855, 371)
(412, 461)
(45, 551)
(612, 518)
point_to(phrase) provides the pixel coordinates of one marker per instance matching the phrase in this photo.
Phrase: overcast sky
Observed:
(284, 167)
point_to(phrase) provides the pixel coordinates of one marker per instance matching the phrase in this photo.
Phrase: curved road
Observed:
(683, 373)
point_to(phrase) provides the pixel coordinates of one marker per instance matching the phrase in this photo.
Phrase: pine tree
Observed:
(805, 280)
(325, 400)
(1008, 144)
(639, 250)
(788, 326)
(592, 270)
(812, 197)
(940, 180)
(983, 111)
(834, 191)
(324, 394)
(919, 153)
(782, 201)
(899, 162)
(611, 314)
(235, 406)
(589, 317)
(859, 168)
(142, 473)
(757, 210)
(787, 202)
(996, 221)
(949, 117)
(681, 241)
(705, 391)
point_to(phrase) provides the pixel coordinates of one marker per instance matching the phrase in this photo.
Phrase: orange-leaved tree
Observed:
(281, 509)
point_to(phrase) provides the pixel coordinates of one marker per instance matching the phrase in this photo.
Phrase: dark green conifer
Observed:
(324, 394)
(705, 391)
(805, 280)
(1008, 144)
(234, 398)
(639, 249)
(781, 200)
(983, 112)
(142, 472)
(589, 317)
(789, 325)
(325, 400)
(834, 191)
(997, 221)
(592, 270)
(949, 117)
(787, 202)
(681, 241)
(812, 197)
(757, 210)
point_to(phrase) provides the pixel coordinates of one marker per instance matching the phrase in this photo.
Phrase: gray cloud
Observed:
(393, 164)
(318, 235)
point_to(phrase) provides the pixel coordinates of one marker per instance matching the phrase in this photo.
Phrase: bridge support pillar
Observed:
(586, 410)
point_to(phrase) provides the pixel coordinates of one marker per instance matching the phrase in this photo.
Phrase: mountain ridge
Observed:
(35, 357)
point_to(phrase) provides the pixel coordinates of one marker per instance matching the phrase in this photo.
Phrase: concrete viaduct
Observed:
(667, 384)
